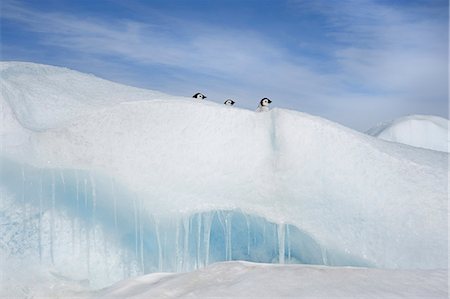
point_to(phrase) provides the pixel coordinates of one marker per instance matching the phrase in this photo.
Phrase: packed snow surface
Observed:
(101, 182)
(43, 96)
(426, 131)
(249, 280)
(240, 280)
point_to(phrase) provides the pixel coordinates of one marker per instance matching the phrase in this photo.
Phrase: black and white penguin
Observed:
(229, 102)
(263, 105)
(199, 96)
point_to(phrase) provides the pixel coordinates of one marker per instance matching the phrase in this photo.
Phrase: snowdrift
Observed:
(232, 280)
(102, 181)
(425, 131)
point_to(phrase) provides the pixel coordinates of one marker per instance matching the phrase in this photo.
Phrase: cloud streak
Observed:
(387, 49)
(229, 54)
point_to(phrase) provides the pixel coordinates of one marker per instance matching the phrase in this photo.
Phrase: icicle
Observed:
(186, 242)
(94, 192)
(222, 222)
(248, 235)
(281, 243)
(226, 226)
(264, 232)
(52, 218)
(80, 237)
(135, 227)
(141, 237)
(207, 222)
(324, 255)
(105, 255)
(88, 252)
(158, 241)
(72, 225)
(288, 237)
(77, 187)
(94, 207)
(179, 260)
(167, 258)
(199, 228)
(85, 193)
(228, 237)
(61, 175)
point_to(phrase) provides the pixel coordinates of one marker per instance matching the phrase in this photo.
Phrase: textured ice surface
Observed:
(44, 96)
(424, 131)
(113, 189)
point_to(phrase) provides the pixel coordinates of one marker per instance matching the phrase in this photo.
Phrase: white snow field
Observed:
(249, 280)
(101, 182)
(425, 131)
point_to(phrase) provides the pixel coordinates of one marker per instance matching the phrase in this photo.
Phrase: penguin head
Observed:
(265, 102)
(199, 96)
(229, 102)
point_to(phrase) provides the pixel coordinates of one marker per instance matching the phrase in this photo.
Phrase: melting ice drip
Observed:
(74, 220)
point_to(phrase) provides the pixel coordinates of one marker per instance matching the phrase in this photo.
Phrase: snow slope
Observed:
(239, 280)
(44, 96)
(424, 131)
(130, 181)
(233, 280)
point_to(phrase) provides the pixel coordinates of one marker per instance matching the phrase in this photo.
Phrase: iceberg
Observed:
(425, 131)
(102, 182)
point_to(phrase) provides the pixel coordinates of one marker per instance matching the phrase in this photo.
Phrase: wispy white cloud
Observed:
(191, 46)
(387, 49)
(227, 53)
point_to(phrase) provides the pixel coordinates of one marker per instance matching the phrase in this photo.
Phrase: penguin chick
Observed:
(199, 96)
(263, 105)
(229, 102)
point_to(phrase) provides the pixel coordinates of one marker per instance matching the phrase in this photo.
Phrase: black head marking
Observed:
(229, 102)
(265, 102)
(199, 95)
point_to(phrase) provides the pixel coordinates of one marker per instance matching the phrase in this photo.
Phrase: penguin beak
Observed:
(270, 101)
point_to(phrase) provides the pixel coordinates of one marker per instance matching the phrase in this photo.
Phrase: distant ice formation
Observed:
(424, 131)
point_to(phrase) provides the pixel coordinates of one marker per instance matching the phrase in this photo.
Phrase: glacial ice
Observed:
(58, 222)
(111, 189)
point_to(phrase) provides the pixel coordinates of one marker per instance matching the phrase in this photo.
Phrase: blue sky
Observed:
(356, 62)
